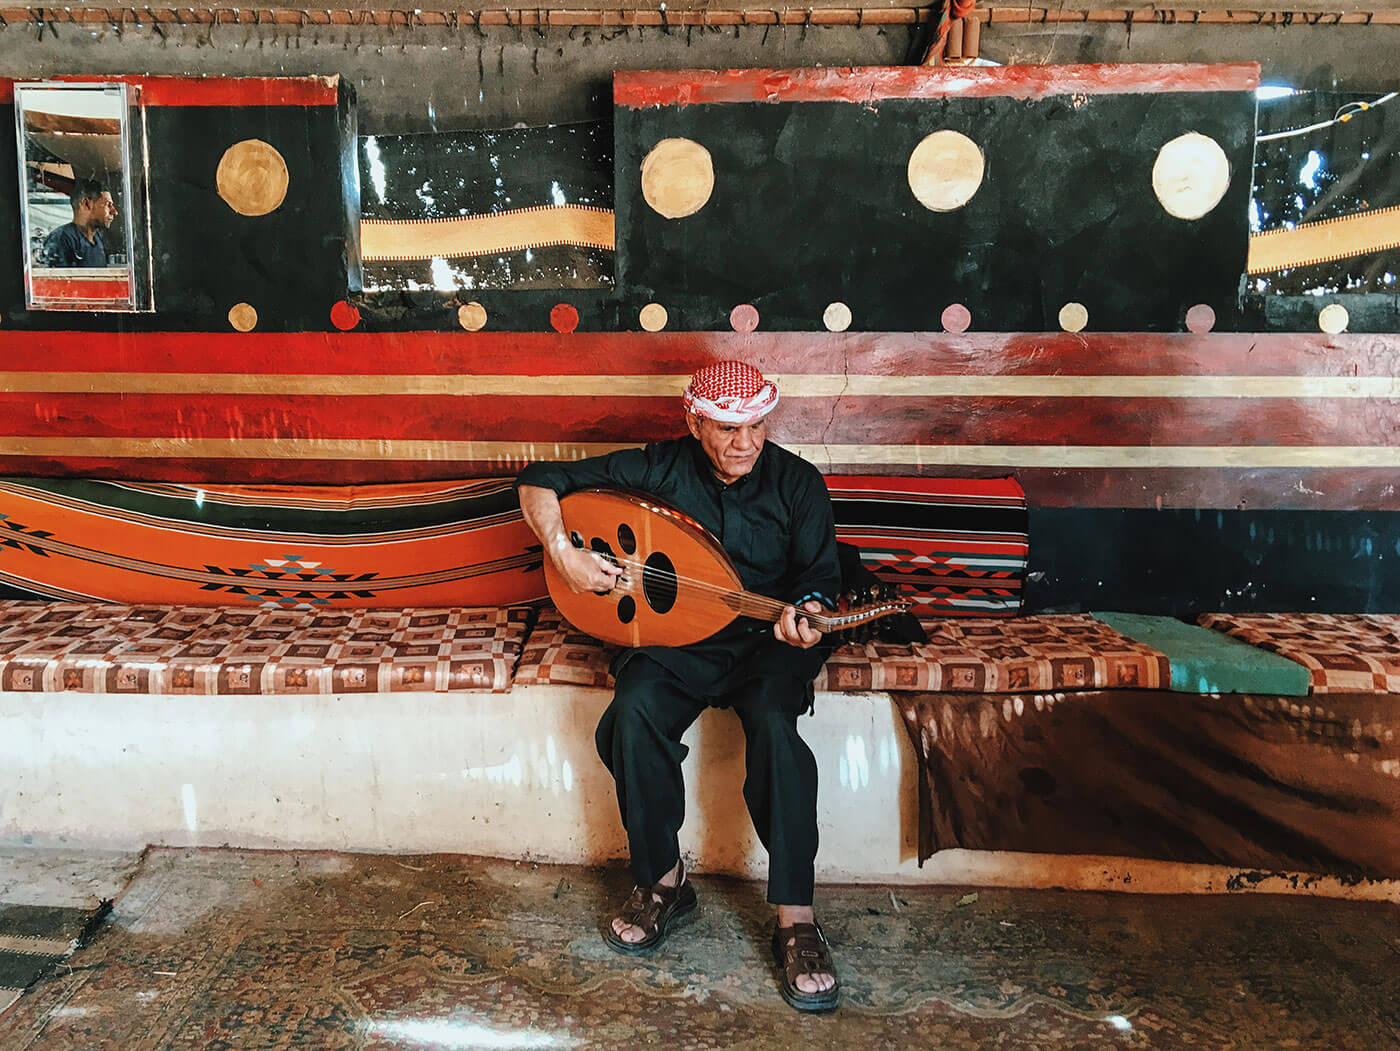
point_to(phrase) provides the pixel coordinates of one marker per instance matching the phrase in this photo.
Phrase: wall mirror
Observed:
(86, 239)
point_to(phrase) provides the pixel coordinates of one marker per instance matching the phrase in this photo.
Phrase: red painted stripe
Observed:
(213, 91)
(851, 421)
(679, 353)
(81, 288)
(636, 90)
(1333, 488)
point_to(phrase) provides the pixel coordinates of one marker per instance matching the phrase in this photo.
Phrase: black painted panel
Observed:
(1182, 562)
(291, 265)
(812, 204)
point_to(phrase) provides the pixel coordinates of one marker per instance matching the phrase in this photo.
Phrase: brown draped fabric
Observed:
(1307, 784)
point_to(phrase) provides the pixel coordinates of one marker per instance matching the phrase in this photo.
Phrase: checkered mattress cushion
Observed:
(195, 650)
(978, 656)
(1344, 653)
(1028, 654)
(558, 653)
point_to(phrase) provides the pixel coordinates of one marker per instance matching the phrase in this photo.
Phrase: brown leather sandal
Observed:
(808, 954)
(654, 917)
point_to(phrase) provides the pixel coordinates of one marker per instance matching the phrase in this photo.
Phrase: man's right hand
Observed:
(585, 570)
(581, 569)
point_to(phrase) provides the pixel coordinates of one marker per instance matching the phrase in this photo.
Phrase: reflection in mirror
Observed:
(75, 155)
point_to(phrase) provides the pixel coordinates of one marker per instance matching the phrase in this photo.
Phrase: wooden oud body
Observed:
(678, 586)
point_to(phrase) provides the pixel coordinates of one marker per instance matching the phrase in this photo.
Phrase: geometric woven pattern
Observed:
(1062, 652)
(425, 544)
(1344, 653)
(1070, 652)
(956, 546)
(200, 650)
(557, 653)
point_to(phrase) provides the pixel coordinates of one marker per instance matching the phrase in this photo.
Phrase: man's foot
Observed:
(648, 914)
(809, 973)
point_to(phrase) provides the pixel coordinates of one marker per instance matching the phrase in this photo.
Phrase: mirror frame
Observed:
(47, 288)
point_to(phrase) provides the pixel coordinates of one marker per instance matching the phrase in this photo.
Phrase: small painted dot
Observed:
(1200, 318)
(472, 316)
(836, 317)
(956, 318)
(1073, 317)
(743, 318)
(345, 316)
(563, 317)
(1333, 318)
(243, 317)
(653, 317)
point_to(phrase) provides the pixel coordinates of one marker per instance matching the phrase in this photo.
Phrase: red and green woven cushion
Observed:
(956, 546)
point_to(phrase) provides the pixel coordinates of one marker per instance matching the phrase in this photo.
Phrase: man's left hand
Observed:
(795, 630)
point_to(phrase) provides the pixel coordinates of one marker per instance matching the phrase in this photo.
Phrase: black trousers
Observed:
(639, 739)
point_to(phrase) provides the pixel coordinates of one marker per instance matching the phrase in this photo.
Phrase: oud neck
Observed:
(759, 607)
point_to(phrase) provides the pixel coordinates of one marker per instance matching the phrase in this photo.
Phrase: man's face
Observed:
(733, 448)
(100, 211)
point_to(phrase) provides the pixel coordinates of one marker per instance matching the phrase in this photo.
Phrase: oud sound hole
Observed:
(626, 539)
(626, 609)
(659, 582)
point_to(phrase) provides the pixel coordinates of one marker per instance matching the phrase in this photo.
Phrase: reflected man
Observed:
(79, 243)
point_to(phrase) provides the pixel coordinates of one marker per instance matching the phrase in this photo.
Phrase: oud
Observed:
(677, 586)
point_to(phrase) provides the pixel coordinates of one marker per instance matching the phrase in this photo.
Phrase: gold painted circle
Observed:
(1073, 317)
(243, 317)
(472, 316)
(836, 317)
(945, 170)
(1333, 318)
(252, 177)
(677, 177)
(1190, 175)
(653, 317)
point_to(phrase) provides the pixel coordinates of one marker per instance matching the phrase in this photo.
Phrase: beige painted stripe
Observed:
(35, 946)
(1104, 456)
(509, 454)
(1321, 242)
(792, 386)
(389, 239)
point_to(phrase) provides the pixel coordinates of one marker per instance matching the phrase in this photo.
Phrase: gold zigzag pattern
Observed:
(1325, 240)
(392, 240)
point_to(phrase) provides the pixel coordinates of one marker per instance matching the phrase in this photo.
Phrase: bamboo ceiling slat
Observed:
(717, 13)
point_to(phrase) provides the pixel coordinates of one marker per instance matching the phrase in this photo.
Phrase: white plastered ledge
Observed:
(506, 775)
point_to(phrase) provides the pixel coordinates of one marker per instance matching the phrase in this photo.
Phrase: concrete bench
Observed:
(471, 731)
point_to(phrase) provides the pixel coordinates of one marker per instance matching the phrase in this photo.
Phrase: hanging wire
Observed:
(1343, 114)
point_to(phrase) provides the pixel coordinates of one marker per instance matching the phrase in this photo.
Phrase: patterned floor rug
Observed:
(234, 950)
(36, 939)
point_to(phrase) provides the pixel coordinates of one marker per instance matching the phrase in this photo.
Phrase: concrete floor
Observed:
(236, 949)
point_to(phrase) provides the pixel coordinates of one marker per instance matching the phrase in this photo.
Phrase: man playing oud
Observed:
(771, 513)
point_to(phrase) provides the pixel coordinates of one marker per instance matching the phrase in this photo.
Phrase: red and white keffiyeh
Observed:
(730, 392)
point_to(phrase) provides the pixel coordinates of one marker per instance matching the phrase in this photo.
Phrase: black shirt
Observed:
(775, 523)
(67, 247)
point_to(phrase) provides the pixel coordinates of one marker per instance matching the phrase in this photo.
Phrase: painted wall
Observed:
(1169, 472)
